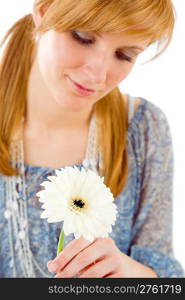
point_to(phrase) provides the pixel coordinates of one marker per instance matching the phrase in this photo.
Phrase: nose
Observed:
(96, 70)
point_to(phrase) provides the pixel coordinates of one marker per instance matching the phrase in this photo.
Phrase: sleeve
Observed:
(151, 242)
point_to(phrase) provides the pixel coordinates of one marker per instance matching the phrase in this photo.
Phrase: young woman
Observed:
(60, 105)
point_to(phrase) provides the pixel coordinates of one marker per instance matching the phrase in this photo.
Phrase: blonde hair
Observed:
(144, 19)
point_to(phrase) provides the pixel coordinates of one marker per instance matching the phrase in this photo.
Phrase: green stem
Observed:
(60, 242)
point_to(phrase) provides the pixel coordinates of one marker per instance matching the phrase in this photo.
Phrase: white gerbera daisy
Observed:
(81, 200)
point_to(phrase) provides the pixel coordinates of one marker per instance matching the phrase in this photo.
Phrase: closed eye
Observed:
(89, 42)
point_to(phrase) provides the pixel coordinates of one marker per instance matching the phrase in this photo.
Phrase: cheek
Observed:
(65, 55)
(45, 56)
(56, 55)
(119, 73)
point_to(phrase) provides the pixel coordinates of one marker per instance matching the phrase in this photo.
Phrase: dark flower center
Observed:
(79, 203)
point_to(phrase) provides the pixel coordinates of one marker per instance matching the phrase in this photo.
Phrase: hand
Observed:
(98, 259)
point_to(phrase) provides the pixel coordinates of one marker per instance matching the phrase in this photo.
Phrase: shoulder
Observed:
(155, 121)
(137, 102)
(149, 129)
(146, 114)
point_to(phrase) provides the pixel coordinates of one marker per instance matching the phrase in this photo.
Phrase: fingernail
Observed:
(53, 267)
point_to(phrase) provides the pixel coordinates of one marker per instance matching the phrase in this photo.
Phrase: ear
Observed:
(37, 15)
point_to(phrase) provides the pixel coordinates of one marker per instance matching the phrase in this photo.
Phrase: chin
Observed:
(71, 107)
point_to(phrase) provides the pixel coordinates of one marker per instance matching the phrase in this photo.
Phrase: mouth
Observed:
(80, 89)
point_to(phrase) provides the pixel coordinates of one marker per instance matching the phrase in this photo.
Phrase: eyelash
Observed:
(87, 42)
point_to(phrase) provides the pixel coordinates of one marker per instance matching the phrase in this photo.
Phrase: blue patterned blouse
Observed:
(143, 229)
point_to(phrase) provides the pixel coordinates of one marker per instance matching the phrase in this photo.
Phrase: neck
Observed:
(43, 111)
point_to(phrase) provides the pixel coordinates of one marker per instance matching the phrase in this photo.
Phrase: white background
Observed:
(161, 82)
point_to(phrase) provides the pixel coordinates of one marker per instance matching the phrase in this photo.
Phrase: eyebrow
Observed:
(124, 47)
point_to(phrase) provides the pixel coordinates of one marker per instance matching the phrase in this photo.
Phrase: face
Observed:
(72, 59)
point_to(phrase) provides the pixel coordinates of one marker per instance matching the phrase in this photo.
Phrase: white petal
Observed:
(52, 178)
(44, 215)
(54, 219)
(77, 235)
(100, 215)
(68, 226)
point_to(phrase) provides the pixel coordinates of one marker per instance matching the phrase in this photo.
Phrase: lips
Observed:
(82, 87)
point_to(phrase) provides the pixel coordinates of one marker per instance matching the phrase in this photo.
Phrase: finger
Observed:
(99, 270)
(112, 275)
(85, 258)
(68, 253)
